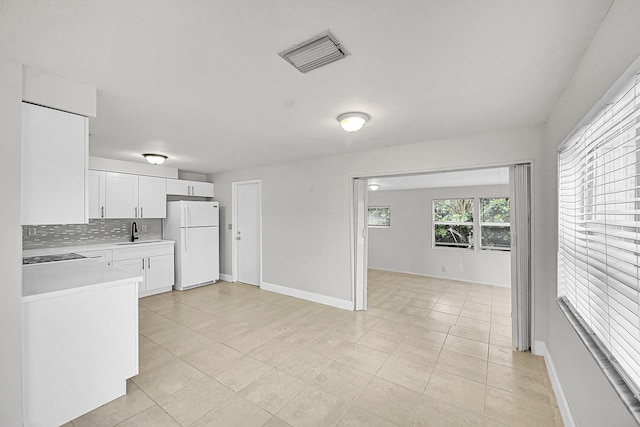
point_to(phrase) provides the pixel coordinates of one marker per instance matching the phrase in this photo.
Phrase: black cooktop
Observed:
(50, 258)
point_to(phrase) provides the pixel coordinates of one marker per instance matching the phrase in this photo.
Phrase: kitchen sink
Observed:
(139, 242)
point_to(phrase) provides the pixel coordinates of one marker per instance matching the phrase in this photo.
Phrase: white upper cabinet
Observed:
(152, 197)
(53, 166)
(132, 196)
(121, 195)
(202, 189)
(97, 190)
(181, 187)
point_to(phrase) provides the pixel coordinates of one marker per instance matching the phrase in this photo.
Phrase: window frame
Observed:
(471, 224)
(588, 202)
(482, 224)
(476, 225)
(378, 207)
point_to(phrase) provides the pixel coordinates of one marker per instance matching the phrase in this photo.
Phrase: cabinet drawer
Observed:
(104, 256)
(142, 251)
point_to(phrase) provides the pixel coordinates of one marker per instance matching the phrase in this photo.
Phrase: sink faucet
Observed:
(134, 231)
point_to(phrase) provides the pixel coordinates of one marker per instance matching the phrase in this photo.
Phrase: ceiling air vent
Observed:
(320, 50)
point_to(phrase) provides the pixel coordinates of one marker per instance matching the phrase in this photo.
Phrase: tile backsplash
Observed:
(96, 232)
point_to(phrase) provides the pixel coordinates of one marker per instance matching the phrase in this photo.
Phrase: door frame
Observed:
(234, 222)
(360, 242)
(359, 291)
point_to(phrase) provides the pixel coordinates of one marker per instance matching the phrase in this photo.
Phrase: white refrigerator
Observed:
(194, 228)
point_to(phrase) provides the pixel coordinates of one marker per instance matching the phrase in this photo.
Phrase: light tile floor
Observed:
(427, 352)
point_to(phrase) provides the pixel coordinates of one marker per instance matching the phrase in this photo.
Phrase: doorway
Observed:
(517, 190)
(247, 232)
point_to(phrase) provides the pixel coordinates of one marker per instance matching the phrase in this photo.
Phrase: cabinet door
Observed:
(152, 197)
(159, 272)
(121, 195)
(96, 194)
(133, 266)
(53, 166)
(202, 189)
(178, 187)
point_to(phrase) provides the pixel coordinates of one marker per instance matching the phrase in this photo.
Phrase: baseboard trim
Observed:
(563, 404)
(306, 295)
(226, 277)
(499, 285)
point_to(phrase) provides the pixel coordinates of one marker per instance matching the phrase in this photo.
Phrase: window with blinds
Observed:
(599, 225)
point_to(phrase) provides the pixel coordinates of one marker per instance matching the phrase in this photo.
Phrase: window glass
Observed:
(495, 228)
(453, 223)
(379, 217)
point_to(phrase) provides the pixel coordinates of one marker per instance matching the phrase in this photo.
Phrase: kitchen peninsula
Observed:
(80, 337)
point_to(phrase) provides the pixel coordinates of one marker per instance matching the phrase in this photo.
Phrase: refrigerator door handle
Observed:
(186, 225)
(186, 216)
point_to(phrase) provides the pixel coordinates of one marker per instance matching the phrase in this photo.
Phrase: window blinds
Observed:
(599, 226)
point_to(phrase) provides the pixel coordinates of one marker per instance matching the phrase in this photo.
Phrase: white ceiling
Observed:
(470, 178)
(201, 81)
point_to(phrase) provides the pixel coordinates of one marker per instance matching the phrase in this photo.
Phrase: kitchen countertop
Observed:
(56, 279)
(86, 248)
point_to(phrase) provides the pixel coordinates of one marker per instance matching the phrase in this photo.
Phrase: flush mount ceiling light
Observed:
(353, 122)
(155, 159)
(315, 52)
(374, 187)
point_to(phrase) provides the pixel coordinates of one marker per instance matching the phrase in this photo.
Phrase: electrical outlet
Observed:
(144, 227)
(32, 231)
(444, 269)
(230, 226)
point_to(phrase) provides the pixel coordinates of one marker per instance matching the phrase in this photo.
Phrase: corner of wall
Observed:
(540, 348)
(309, 296)
(10, 245)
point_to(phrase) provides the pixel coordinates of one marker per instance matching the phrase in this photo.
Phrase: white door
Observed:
(199, 260)
(247, 232)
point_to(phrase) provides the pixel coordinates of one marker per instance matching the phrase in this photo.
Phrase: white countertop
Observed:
(86, 248)
(55, 279)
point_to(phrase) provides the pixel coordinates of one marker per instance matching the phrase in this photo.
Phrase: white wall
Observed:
(406, 246)
(591, 398)
(306, 205)
(10, 246)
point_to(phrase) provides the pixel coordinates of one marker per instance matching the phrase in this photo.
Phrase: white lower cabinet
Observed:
(154, 263)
